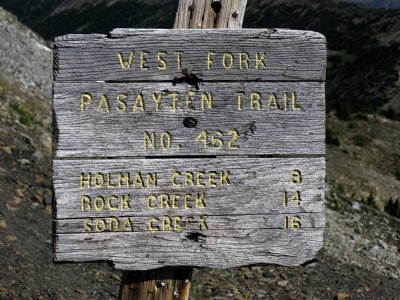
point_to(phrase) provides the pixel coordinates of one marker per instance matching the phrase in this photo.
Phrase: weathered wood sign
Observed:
(189, 147)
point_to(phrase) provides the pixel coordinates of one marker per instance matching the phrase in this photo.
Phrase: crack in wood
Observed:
(189, 78)
(196, 237)
(56, 132)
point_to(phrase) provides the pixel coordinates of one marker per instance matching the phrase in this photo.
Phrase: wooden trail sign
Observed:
(189, 147)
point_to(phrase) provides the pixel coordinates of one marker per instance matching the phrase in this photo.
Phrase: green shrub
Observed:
(392, 207)
(361, 140)
(331, 138)
(362, 117)
(25, 117)
(370, 201)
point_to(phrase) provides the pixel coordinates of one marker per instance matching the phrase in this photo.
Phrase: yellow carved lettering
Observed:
(166, 224)
(138, 180)
(150, 200)
(114, 224)
(152, 180)
(139, 104)
(166, 140)
(103, 102)
(227, 60)
(189, 220)
(126, 64)
(163, 63)
(295, 177)
(187, 201)
(285, 101)
(100, 225)
(189, 96)
(244, 60)
(124, 179)
(125, 202)
(225, 178)
(200, 201)
(175, 199)
(255, 99)
(296, 223)
(152, 227)
(175, 99)
(86, 226)
(99, 203)
(240, 101)
(157, 99)
(164, 198)
(296, 198)
(86, 100)
(209, 59)
(202, 138)
(178, 55)
(203, 223)
(200, 182)
(127, 224)
(211, 179)
(177, 227)
(149, 140)
(98, 180)
(189, 178)
(294, 102)
(110, 185)
(143, 60)
(260, 57)
(86, 181)
(285, 199)
(121, 101)
(272, 101)
(174, 179)
(86, 203)
(207, 100)
(109, 202)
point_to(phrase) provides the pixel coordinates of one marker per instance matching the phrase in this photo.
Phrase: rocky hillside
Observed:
(26, 61)
(362, 253)
(27, 270)
(364, 44)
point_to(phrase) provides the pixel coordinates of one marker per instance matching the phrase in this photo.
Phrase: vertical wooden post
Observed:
(168, 284)
(160, 284)
(197, 14)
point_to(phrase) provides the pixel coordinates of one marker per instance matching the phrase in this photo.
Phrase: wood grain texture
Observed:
(145, 251)
(290, 55)
(241, 216)
(256, 185)
(239, 221)
(160, 284)
(93, 134)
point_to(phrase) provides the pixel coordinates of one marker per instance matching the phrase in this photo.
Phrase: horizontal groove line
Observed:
(208, 215)
(202, 81)
(188, 231)
(195, 157)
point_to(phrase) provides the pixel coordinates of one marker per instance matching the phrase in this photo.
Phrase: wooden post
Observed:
(168, 284)
(199, 14)
(156, 284)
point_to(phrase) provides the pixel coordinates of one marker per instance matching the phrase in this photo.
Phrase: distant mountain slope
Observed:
(364, 56)
(361, 258)
(51, 18)
(388, 4)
